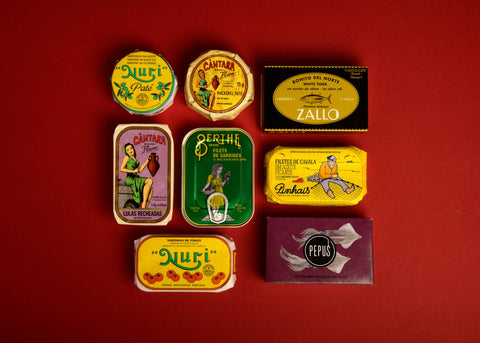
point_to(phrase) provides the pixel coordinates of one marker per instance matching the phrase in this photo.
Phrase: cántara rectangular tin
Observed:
(217, 177)
(319, 250)
(143, 174)
(311, 98)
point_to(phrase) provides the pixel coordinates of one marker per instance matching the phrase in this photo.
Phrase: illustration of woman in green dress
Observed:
(142, 187)
(208, 96)
(215, 185)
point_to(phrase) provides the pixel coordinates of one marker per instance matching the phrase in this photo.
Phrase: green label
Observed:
(316, 98)
(218, 177)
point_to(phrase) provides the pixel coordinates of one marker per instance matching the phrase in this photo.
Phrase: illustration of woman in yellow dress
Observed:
(215, 185)
(142, 187)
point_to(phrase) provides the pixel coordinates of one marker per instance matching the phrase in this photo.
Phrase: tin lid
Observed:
(217, 177)
(143, 174)
(331, 176)
(219, 85)
(196, 263)
(144, 83)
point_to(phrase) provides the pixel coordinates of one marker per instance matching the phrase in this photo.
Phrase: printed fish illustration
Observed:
(298, 264)
(315, 98)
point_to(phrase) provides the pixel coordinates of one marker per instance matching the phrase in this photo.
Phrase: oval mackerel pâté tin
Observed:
(334, 176)
(167, 263)
(217, 177)
(219, 85)
(143, 174)
(144, 83)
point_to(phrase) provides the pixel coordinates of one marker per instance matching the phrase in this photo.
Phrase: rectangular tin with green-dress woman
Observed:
(143, 174)
(217, 177)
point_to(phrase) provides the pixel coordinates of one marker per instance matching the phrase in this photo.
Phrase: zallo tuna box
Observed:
(316, 176)
(309, 98)
(167, 263)
(319, 250)
(144, 83)
(217, 177)
(143, 174)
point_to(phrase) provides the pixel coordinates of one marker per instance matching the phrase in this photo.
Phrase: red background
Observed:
(67, 266)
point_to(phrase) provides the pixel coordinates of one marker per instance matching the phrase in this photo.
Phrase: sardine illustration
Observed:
(315, 98)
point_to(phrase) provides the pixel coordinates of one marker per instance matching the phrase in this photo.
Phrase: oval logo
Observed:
(319, 250)
(315, 98)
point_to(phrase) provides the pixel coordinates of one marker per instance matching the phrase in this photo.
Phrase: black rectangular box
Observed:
(313, 99)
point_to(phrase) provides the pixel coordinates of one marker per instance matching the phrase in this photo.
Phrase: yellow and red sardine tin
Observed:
(177, 263)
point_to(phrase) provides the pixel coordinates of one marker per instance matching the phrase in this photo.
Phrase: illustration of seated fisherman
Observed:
(328, 173)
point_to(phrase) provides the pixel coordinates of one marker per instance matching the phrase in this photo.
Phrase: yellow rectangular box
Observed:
(316, 176)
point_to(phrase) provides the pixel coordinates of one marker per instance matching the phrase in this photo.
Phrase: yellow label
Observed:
(184, 263)
(143, 82)
(316, 176)
(315, 98)
(218, 83)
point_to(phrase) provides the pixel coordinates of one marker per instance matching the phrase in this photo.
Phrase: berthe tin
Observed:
(143, 174)
(217, 177)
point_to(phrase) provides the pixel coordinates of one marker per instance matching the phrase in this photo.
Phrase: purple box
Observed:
(319, 250)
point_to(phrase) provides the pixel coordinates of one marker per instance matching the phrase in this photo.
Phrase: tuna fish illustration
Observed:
(315, 98)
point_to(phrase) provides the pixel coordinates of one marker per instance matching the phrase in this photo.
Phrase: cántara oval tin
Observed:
(314, 98)
(219, 85)
(217, 177)
(144, 83)
(143, 174)
(167, 263)
(316, 176)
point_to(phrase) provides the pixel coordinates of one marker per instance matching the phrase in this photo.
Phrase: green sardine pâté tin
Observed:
(217, 177)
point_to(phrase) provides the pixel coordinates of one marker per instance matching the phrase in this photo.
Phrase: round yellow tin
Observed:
(219, 85)
(144, 83)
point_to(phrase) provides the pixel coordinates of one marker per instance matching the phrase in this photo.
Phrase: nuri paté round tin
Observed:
(217, 177)
(194, 263)
(144, 83)
(219, 85)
